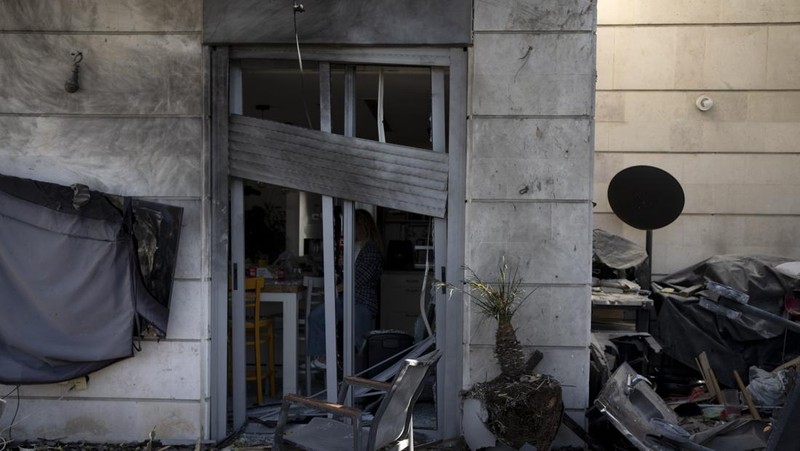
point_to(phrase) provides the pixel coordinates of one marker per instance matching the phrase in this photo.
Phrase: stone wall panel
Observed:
(550, 15)
(119, 74)
(160, 371)
(534, 74)
(531, 159)
(101, 15)
(544, 241)
(126, 156)
(108, 421)
(551, 316)
(630, 12)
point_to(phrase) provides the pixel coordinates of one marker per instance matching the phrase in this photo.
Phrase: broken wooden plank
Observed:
(710, 377)
(709, 388)
(748, 399)
(794, 362)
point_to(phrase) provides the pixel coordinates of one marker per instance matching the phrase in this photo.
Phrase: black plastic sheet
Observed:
(72, 290)
(685, 329)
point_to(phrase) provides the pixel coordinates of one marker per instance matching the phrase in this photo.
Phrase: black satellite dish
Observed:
(646, 198)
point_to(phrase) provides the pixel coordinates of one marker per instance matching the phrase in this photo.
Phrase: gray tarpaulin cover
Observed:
(81, 272)
(615, 257)
(616, 252)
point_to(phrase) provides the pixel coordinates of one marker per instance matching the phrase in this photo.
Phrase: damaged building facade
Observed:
(708, 93)
(150, 119)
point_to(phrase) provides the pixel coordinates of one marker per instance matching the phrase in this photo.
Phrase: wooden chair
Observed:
(392, 427)
(258, 332)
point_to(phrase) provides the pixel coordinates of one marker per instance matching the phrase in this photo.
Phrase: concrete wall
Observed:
(135, 128)
(529, 180)
(738, 162)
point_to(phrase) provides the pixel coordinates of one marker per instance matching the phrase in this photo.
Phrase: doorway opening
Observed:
(283, 224)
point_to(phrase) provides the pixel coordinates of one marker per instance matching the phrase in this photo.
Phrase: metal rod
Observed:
(648, 246)
(757, 312)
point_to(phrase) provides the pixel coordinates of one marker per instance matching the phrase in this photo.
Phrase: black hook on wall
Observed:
(72, 85)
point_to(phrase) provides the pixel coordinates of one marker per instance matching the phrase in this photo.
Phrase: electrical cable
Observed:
(14, 418)
(16, 411)
(299, 8)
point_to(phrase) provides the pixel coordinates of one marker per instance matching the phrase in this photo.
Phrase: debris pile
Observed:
(712, 367)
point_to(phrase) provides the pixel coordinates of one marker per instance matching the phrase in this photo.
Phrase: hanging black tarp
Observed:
(81, 272)
(685, 329)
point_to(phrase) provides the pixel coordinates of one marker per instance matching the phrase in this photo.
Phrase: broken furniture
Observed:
(621, 310)
(608, 349)
(684, 328)
(618, 270)
(259, 333)
(634, 408)
(392, 424)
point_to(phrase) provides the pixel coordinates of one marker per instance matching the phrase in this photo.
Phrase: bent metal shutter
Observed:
(361, 170)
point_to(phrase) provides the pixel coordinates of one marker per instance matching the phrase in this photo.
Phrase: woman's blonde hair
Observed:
(366, 228)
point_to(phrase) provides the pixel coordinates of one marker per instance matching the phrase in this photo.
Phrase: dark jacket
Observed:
(367, 274)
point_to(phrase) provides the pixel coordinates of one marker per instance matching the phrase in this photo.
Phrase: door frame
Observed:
(449, 307)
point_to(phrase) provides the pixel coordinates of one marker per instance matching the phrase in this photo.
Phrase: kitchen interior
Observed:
(283, 243)
(283, 226)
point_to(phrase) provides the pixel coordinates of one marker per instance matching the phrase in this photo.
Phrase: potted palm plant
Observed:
(522, 405)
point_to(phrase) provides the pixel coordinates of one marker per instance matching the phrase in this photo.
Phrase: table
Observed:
(290, 301)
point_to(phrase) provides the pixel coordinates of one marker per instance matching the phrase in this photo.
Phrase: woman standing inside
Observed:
(367, 274)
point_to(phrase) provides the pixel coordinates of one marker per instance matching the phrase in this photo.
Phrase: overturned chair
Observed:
(392, 426)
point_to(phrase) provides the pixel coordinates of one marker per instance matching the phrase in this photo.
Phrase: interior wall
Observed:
(529, 184)
(738, 161)
(134, 128)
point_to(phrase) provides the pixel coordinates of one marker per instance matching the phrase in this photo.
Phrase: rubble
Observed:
(718, 324)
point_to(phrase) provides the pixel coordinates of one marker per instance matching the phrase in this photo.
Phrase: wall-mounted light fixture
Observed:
(704, 103)
(72, 85)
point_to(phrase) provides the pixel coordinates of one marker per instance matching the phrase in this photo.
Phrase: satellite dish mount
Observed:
(646, 198)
